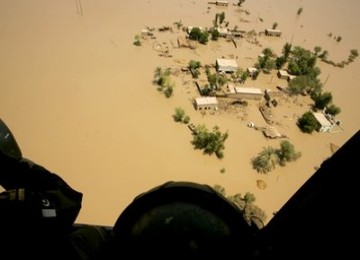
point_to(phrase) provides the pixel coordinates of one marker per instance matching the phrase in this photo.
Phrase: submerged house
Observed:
(244, 93)
(272, 32)
(226, 65)
(206, 103)
(325, 122)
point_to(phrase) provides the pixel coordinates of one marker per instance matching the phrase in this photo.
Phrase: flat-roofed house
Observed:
(222, 3)
(244, 93)
(206, 103)
(226, 65)
(272, 32)
(324, 123)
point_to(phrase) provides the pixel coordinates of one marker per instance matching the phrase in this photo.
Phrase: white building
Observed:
(244, 93)
(272, 32)
(226, 65)
(325, 124)
(206, 103)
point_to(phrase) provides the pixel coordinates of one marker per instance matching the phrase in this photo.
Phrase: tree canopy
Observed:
(210, 141)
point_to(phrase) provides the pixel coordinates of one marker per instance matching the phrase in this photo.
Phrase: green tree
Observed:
(324, 55)
(162, 77)
(221, 17)
(204, 37)
(317, 50)
(240, 2)
(286, 50)
(322, 100)
(287, 153)
(210, 142)
(333, 110)
(194, 64)
(212, 79)
(307, 122)
(304, 83)
(195, 34)
(137, 40)
(303, 62)
(265, 161)
(186, 119)
(179, 114)
(299, 11)
(249, 197)
(215, 35)
(275, 25)
(169, 90)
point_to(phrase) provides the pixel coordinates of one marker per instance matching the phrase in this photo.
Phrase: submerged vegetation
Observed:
(269, 157)
(210, 141)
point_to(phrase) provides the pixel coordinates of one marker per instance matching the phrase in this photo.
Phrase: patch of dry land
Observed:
(80, 99)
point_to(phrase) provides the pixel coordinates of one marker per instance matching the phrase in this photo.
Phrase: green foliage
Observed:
(215, 35)
(338, 39)
(303, 84)
(240, 2)
(286, 50)
(207, 90)
(317, 50)
(267, 61)
(303, 63)
(275, 25)
(222, 170)
(168, 91)
(249, 197)
(280, 61)
(333, 110)
(269, 157)
(265, 161)
(287, 153)
(322, 100)
(162, 79)
(179, 114)
(299, 11)
(210, 142)
(137, 40)
(307, 122)
(324, 55)
(212, 79)
(186, 119)
(221, 17)
(222, 79)
(198, 35)
(194, 64)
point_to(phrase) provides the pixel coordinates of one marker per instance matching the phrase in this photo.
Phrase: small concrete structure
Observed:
(325, 122)
(284, 74)
(237, 33)
(206, 103)
(251, 71)
(220, 3)
(244, 93)
(272, 32)
(226, 65)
